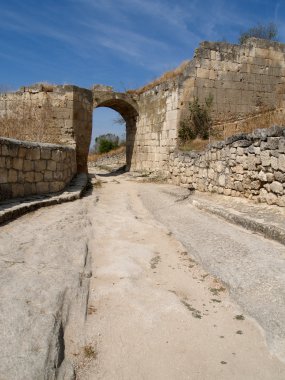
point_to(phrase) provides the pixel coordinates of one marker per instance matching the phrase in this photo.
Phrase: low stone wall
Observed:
(32, 168)
(246, 165)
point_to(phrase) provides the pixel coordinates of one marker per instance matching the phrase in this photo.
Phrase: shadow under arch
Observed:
(128, 109)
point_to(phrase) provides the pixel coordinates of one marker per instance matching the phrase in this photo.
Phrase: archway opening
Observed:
(127, 112)
(108, 140)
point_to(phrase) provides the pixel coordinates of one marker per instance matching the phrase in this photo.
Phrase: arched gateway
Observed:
(125, 105)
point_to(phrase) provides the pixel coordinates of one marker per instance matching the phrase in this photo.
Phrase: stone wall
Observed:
(32, 168)
(246, 165)
(156, 130)
(243, 79)
(51, 114)
(247, 83)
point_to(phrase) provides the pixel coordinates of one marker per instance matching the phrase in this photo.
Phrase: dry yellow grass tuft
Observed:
(165, 77)
(195, 145)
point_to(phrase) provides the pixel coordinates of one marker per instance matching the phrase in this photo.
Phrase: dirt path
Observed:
(153, 312)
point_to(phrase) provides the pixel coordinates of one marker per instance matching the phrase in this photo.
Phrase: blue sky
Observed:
(122, 43)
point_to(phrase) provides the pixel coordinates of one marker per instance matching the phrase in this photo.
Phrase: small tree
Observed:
(199, 122)
(266, 32)
(105, 143)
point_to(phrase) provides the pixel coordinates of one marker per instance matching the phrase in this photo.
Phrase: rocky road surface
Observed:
(133, 282)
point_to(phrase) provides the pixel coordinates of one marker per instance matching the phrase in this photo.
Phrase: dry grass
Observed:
(90, 352)
(247, 124)
(195, 145)
(93, 157)
(168, 75)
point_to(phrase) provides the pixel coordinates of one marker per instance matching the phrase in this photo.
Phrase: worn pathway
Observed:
(112, 286)
(154, 313)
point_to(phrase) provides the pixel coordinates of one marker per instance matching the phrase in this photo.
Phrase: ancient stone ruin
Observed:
(247, 85)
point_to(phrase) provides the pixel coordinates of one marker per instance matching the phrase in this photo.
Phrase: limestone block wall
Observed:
(81, 124)
(51, 114)
(156, 128)
(28, 168)
(247, 83)
(39, 113)
(245, 165)
(243, 79)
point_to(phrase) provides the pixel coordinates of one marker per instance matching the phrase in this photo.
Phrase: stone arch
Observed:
(127, 107)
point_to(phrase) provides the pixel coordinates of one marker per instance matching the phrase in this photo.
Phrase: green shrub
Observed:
(198, 123)
(106, 145)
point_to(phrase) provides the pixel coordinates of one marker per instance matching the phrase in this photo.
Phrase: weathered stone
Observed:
(222, 180)
(238, 186)
(56, 155)
(274, 162)
(48, 176)
(40, 165)
(262, 176)
(33, 154)
(38, 177)
(281, 147)
(28, 165)
(281, 162)
(18, 163)
(42, 187)
(255, 185)
(281, 201)
(18, 190)
(271, 198)
(51, 165)
(269, 177)
(238, 169)
(279, 176)
(56, 186)
(276, 187)
(273, 143)
(12, 176)
(29, 177)
(45, 154)
(3, 175)
(265, 158)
